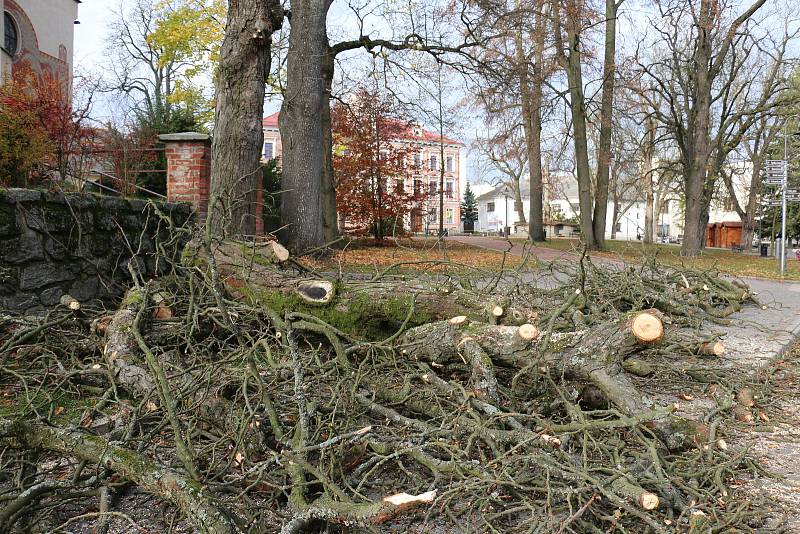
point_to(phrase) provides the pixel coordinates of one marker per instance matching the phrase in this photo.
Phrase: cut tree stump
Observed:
(647, 328)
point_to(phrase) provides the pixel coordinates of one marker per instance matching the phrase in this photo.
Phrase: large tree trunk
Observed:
(238, 134)
(301, 125)
(531, 96)
(606, 112)
(578, 113)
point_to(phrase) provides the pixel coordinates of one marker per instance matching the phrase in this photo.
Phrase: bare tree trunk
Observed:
(614, 219)
(238, 135)
(300, 121)
(330, 222)
(572, 64)
(606, 112)
(519, 207)
(649, 152)
(531, 96)
(749, 218)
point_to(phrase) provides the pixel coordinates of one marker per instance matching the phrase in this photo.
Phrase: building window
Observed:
(417, 186)
(11, 34)
(555, 209)
(448, 215)
(417, 159)
(432, 187)
(269, 151)
(449, 164)
(618, 227)
(665, 207)
(433, 215)
(434, 163)
(448, 190)
(490, 207)
(398, 185)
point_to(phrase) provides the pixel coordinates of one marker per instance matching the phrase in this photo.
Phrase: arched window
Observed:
(11, 34)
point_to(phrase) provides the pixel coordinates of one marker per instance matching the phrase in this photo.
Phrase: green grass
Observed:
(723, 260)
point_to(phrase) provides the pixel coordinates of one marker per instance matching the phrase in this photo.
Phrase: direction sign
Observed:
(769, 180)
(771, 203)
(777, 164)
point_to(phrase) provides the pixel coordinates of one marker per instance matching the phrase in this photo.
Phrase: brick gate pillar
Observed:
(188, 169)
(189, 174)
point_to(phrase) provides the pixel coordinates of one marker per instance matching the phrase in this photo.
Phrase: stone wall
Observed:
(79, 244)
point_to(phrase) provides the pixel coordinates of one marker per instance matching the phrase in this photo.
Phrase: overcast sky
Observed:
(90, 34)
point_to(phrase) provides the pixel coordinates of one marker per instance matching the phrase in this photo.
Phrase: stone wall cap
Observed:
(185, 136)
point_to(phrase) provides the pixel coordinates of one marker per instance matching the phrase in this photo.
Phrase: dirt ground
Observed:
(776, 441)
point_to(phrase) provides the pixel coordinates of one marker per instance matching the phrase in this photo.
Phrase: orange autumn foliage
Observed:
(373, 192)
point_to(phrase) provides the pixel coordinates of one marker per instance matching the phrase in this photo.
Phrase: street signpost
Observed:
(777, 173)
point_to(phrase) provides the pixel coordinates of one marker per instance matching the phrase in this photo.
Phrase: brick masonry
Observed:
(189, 174)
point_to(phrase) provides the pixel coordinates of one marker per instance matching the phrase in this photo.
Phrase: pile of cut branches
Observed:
(253, 395)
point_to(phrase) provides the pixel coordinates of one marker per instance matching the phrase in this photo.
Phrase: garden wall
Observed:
(53, 244)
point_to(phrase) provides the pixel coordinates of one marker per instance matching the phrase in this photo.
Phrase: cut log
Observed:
(356, 305)
(70, 302)
(270, 252)
(121, 350)
(361, 514)
(712, 349)
(496, 313)
(458, 320)
(316, 292)
(742, 414)
(645, 499)
(647, 328)
(528, 332)
(162, 313)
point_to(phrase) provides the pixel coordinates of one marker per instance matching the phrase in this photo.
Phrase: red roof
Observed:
(271, 121)
(426, 136)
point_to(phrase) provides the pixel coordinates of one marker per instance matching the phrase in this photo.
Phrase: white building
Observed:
(496, 210)
(39, 33)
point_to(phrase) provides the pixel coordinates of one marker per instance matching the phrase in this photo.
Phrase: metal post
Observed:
(505, 223)
(783, 197)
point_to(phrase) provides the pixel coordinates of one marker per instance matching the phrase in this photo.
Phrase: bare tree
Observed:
(690, 78)
(138, 68)
(570, 24)
(507, 151)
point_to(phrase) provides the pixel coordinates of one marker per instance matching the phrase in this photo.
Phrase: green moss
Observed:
(133, 297)
(361, 317)
(66, 409)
